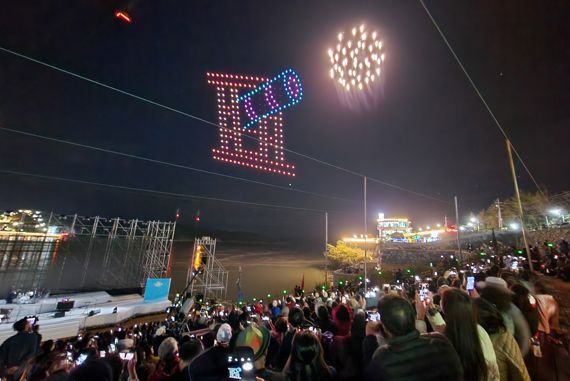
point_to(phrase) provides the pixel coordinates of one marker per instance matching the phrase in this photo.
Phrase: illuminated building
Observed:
(393, 229)
(359, 240)
(236, 146)
(427, 235)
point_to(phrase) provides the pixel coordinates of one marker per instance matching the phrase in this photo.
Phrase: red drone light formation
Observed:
(124, 16)
(268, 154)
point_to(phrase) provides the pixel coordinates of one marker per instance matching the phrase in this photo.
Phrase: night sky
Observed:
(429, 132)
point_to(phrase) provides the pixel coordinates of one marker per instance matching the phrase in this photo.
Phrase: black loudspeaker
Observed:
(59, 314)
(65, 306)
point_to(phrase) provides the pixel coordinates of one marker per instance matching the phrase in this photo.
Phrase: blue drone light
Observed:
(279, 93)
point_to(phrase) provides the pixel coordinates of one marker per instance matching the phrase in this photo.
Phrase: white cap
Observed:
(493, 281)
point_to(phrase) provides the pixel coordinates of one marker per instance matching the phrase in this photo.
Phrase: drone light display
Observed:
(356, 61)
(253, 106)
(277, 94)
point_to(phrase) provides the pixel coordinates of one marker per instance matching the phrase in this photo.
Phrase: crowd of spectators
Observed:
(428, 329)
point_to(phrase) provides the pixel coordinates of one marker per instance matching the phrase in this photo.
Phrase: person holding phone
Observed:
(469, 339)
(19, 348)
(406, 350)
(212, 363)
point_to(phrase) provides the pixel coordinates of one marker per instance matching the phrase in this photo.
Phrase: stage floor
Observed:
(128, 306)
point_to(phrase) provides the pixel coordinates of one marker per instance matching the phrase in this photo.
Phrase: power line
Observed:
(480, 95)
(157, 192)
(410, 191)
(162, 162)
(172, 109)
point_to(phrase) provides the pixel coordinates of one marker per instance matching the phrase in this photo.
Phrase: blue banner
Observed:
(156, 289)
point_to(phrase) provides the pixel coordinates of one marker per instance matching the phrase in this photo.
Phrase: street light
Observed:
(514, 226)
(558, 213)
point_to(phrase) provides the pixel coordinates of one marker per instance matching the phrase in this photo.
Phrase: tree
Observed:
(489, 218)
(535, 209)
(343, 255)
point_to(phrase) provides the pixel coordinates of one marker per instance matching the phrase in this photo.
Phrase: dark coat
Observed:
(413, 357)
(210, 365)
(18, 348)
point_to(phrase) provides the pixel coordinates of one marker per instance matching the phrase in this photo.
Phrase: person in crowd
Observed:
(469, 339)
(257, 338)
(324, 320)
(296, 319)
(496, 292)
(509, 358)
(59, 367)
(548, 310)
(278, 332)
(47, 347)
(563, 246)
(125, 343)
(275, 308)
(211, 365)
(407, 354)
(18, 349)
(188, 352)
(346, 351)
(116, 363)
(96, 370)
(522, 299)
(37, 334)
(168, 364)
(307, 315)
(158, 338)
(146, 361)
(306, 362)
(342, 316)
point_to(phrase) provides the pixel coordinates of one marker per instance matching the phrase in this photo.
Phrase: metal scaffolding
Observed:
(210, 278)
(79, 253)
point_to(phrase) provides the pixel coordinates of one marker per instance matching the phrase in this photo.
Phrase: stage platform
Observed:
(128, 306)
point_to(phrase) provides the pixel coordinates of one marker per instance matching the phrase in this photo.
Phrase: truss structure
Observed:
(79, 253)
(207, 275)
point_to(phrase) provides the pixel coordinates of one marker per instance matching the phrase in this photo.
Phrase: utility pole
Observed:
(365, 239)
(517, 193)
(326, 249)
(499, 215)
(457, 229)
